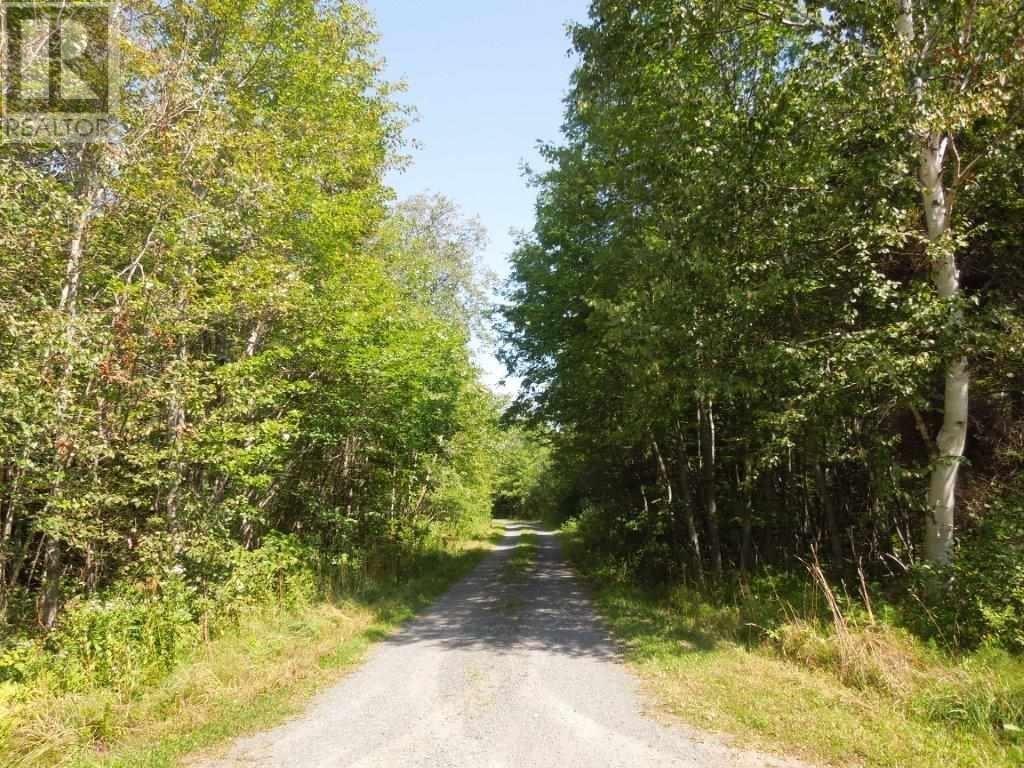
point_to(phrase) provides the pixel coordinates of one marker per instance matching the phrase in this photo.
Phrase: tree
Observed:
(736, 231)
(216, 332)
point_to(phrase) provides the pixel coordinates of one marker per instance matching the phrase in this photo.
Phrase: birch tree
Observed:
(798, 211)
(956, 76)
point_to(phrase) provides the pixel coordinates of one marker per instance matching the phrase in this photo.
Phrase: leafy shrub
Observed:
(979, 600)
(20, 660)
(618, 540)
(988, 579)
(134, 633)
(281, 572)
(122, 640)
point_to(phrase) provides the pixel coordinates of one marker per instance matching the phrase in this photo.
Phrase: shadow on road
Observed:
(545, 610)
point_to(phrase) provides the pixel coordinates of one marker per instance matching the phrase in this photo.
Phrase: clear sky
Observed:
(487, 78)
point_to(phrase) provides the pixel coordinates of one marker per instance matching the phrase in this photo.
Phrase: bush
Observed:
(20, 660)
(979, 600)
(133, 634)
(628, 543)
(123, 640)
(282, 572)
(987, 593)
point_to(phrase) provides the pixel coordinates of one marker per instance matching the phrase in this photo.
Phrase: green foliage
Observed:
(726, 313)
(123, 641)
(858, 688)
(132, 635)
(234, 373)
(523, 463)
(989, 576)
(281, 572)
(980, 599)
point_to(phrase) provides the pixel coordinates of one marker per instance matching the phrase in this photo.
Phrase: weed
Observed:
(522, 558)
(237, 682)
(790, 666)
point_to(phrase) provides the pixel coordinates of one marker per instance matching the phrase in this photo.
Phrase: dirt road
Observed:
(510, 669)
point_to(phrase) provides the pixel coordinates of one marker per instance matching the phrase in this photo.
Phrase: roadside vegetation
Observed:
(788, 665)
(770, 319)
(241, 430)
(253, 674)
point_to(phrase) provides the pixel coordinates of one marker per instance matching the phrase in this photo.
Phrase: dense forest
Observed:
(767, 333)
(773, 300)
(230, 363)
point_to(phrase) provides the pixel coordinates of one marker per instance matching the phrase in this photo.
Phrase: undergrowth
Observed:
(785, 662)
(522, 558)
(135, 682)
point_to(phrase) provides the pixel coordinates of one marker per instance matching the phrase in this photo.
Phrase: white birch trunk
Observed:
(940, 523)
(49, 602)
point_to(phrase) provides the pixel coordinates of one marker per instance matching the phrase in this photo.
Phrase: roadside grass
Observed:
(516, 569)
(522, 558)
(241, 682)
(869, 695)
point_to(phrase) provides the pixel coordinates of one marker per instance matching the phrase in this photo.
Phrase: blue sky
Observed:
(487, 78)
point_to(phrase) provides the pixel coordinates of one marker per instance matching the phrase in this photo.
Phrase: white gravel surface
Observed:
(499, 673)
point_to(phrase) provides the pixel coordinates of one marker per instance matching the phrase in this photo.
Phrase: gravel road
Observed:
(504, 671)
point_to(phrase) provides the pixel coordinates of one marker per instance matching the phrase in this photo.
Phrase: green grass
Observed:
(239, 683)
(522, 558)
(870, 697)
(516, 569)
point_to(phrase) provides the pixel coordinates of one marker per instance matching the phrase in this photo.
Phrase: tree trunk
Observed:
(255, 337)
(939, 525)
(942, 486)
(932, 147)
(707, 450)
(685, 507)
(672, 504)
(6, 548)
(747, 517)
(53, 562)
(666, 481)
(828, 509)
(19, 557)
(53, 559)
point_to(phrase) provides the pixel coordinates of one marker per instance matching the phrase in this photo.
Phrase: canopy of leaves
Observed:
(726, 306)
